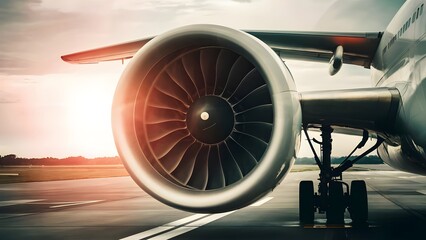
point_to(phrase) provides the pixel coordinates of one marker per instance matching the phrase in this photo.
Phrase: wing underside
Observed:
(359, 48)
(110, 53)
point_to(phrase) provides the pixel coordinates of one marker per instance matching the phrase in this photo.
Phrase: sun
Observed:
(89, 119)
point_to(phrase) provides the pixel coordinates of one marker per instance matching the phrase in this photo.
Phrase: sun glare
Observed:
(89, 116)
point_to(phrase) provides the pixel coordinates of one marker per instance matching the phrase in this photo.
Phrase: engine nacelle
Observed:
(206, 118)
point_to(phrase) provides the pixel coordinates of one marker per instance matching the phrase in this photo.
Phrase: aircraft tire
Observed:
(306, 202)
(358, 206)
(336, 208)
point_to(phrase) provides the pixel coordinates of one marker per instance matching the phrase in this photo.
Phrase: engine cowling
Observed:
(206, 118)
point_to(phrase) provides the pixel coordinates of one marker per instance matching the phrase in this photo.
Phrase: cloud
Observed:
(11, 64)
(15, 11)
(242, 1)
(315, 77)
(31, 36)
(6, 97)
(36, 33)
(359, 15)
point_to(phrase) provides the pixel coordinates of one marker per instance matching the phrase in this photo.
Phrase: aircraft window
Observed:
(414, 17)
(408, 23)
(421, 9)
(404, 27)
(417, 15)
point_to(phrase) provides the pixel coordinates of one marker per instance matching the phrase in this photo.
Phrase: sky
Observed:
(52, 108)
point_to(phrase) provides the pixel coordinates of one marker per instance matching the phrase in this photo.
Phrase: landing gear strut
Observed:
(333, 196)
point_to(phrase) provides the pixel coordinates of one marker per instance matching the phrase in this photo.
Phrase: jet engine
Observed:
(206, 118)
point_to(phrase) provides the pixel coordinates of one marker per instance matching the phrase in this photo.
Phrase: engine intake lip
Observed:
(150, 175)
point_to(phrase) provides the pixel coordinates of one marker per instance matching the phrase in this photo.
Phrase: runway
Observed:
(116, 208)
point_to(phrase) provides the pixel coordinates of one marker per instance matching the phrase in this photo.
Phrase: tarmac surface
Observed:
(116, 208)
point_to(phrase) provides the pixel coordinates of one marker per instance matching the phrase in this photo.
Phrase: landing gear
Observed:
(333, 196)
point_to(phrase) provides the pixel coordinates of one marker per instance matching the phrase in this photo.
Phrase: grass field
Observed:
(16, 174)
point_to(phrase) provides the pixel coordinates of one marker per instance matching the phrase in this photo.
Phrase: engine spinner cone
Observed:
(210, 119)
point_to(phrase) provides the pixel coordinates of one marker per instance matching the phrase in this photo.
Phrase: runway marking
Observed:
(68, 204)
(392, 172)
(174, 233)
(407, 177)
(12, 189)
(191, 226)
(148, 233)
(10, 215)
(17, 202)
(9, 174)
(261, 202)
(165, 227)
(327, 226)
(209, 219)
(176, 228)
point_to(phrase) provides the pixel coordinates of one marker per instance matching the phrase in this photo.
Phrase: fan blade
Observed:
(160, 100)
(261, 130)
(172, 159)
(159, 115)
(262, 113)
(216, 177)
(185, 168)
(162, 146)
(239, 70)
(168, 86)
(259, 96)
(208, 59)
(160, 130)
(254, 145)
(225, 60)
(244, 159)
(200, 174)
(250, 82)
(177, 72)
(191, 62)
(231, 170)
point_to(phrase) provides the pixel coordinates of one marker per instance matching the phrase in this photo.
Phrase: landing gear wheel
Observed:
(306, 202)
(336, 208)
(358, 206)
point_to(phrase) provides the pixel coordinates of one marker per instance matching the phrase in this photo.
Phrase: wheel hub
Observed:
(210, 119)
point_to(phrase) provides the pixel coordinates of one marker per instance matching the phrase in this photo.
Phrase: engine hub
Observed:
(210, 119)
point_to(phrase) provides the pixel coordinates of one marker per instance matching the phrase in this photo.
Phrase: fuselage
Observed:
(400, 62)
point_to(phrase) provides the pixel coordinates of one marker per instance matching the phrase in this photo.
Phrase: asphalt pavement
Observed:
(116, 208)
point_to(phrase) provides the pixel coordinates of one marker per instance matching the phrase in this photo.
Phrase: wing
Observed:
(359, 48)
(109, 53)
(346, 110)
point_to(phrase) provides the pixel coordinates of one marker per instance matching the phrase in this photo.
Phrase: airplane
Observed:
(208, 119)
